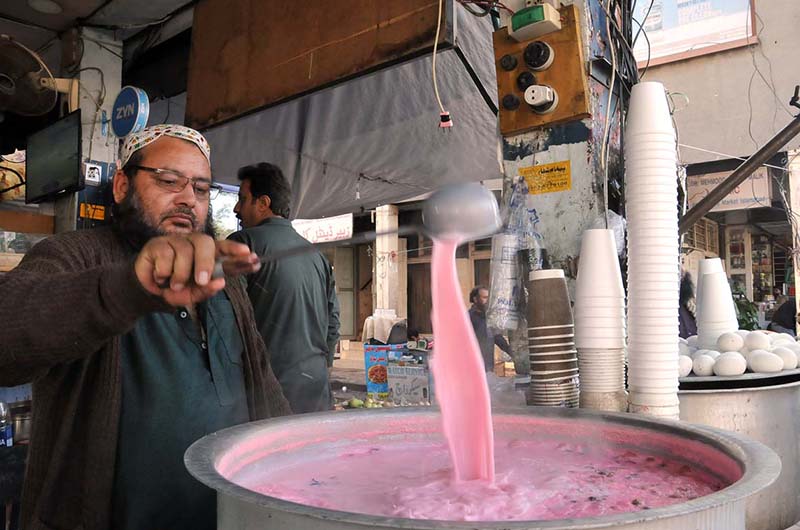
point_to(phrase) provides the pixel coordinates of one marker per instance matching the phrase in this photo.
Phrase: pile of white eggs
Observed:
(738, 352)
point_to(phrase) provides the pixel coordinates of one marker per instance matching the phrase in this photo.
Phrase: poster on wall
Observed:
(678, 29)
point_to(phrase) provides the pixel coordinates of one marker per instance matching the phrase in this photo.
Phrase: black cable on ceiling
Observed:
(21, 22)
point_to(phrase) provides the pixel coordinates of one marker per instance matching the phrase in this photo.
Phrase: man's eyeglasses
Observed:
(175, 182)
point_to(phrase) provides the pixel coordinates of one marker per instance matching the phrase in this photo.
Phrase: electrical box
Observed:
(541, 81)
(534, 21)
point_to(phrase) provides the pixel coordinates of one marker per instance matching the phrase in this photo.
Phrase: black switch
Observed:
(538, 55)
(510, 102)
(524, 80)
(508, 62)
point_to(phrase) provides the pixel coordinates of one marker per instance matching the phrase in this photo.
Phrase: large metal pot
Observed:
(770, 415)
(220, 455)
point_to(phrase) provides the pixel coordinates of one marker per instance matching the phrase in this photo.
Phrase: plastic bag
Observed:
(618, 224)
(515, 252)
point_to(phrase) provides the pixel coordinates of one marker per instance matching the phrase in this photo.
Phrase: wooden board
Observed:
(29, 223)
(249, 54)
(567, 76)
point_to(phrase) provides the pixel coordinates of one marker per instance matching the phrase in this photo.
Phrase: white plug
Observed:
(542, 98)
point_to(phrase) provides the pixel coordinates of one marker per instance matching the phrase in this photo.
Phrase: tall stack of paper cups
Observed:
(653, 253)
(600, 323)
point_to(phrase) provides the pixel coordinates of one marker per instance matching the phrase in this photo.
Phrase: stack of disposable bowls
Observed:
(715, 313)
(653, 253)
(551, 341)
(600, 323)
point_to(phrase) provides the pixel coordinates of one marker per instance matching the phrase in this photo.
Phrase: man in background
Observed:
(294, 298)
(784, 320)
(487, 339)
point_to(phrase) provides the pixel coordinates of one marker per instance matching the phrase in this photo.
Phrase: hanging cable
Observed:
(607, 125)
(445, 122)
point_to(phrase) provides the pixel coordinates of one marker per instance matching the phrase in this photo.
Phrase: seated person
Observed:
(784, 320)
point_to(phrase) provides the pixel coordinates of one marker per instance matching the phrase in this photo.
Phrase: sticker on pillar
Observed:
(548, 178)
(96, 212)
(131, 109)
(93, 175)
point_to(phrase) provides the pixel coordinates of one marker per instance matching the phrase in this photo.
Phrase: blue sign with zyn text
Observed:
(131, 109)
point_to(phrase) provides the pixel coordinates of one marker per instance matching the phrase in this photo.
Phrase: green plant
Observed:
(746, 312)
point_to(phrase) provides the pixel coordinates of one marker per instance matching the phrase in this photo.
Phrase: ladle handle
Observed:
(364, 237)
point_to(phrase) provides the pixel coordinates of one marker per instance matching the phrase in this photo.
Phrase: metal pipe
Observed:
(766, 152)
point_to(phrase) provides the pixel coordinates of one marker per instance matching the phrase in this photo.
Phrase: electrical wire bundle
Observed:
(483, 7)
(620, 40)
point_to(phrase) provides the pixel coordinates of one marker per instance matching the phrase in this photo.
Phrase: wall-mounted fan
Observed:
(27, 87)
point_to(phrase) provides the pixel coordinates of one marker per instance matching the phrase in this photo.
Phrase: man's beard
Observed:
(130, 220)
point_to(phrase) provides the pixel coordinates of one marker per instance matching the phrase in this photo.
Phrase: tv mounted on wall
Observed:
(53, 160)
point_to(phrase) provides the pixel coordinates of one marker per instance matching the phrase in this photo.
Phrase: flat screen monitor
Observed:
(53, 160)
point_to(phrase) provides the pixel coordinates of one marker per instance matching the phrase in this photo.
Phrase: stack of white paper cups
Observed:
(716, 313)
(653, 253)
(600, 323)
(551, 341)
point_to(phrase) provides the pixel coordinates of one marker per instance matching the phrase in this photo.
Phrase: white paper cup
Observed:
(649, 296)
(668, 311)
(655, 249)
(648, 110)
(651, 260)
(595, 342)
(709, 265)
(642, 144)
(652, 189)
(592, 315)
(657, 204)
(632, 139)
(601, 332)
(717, 302)
(591, 324)
(645, 399)
(598, 268)
(598, 302)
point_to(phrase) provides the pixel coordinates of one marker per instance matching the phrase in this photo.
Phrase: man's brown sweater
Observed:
(63, 310)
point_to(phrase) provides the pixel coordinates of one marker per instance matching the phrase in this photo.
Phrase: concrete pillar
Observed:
(387, 278)
(100, 51)
(794, 204)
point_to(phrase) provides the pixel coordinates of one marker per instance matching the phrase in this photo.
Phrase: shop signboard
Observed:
(325, 230)
(678, 29)
(754, 192)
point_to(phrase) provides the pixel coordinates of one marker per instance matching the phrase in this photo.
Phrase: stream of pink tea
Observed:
(458, 372)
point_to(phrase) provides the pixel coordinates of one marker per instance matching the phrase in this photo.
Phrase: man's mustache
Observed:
(180, 211)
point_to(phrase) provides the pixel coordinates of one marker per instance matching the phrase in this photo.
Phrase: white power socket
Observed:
(542, 98)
